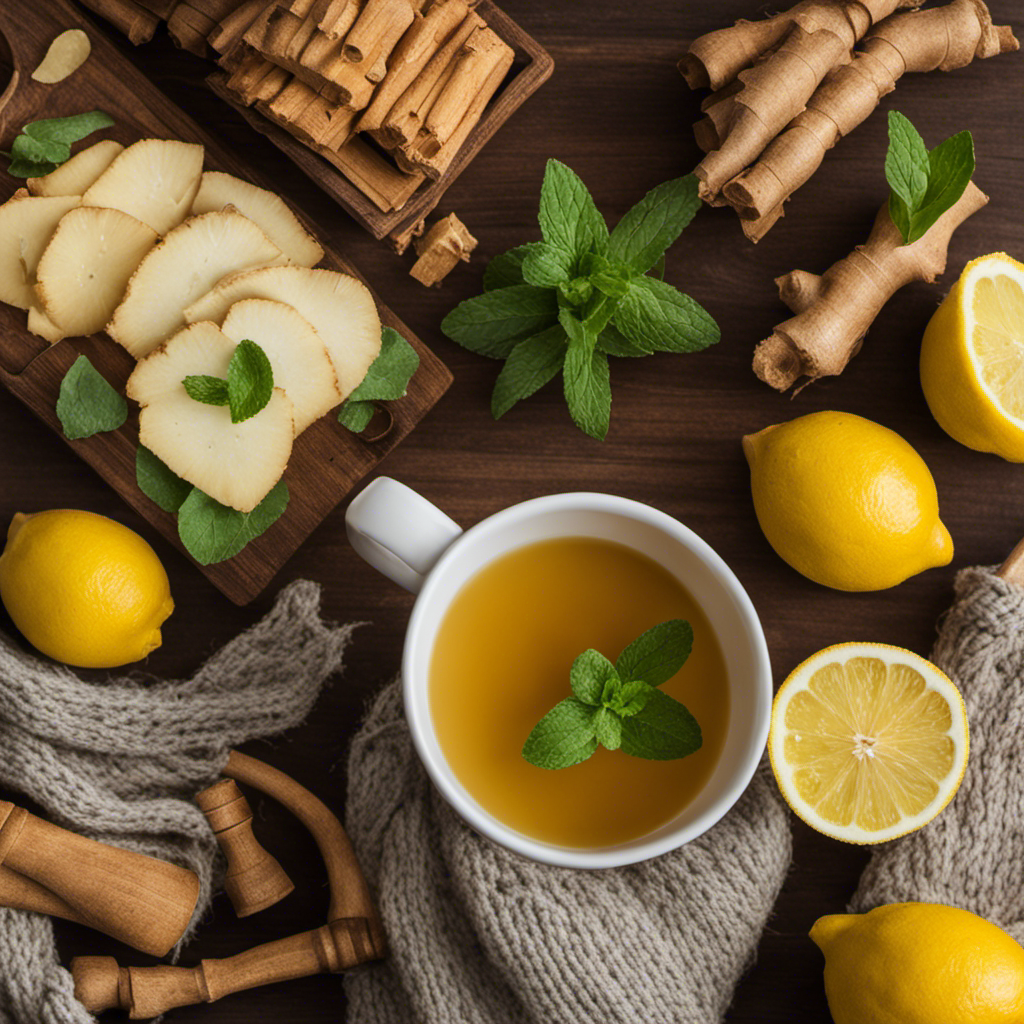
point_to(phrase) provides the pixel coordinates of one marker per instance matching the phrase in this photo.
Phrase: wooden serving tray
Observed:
(327, 459)
(532, 67)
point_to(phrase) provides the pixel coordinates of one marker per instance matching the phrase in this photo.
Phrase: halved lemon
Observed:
(972, 358)
(867, 741)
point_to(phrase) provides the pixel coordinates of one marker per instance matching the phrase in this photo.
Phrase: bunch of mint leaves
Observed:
(43, 146)
(925, 183)
(620, 706)
(583, 294)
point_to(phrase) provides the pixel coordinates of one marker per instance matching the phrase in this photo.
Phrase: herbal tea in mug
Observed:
(502, 661)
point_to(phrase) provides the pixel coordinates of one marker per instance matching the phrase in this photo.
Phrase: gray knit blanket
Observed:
(121, 760)
(480, 935)
(972, 854)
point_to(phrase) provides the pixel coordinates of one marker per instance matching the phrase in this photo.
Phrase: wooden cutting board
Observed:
(327, 459)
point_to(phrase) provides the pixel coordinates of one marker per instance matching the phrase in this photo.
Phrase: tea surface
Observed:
(501, 661)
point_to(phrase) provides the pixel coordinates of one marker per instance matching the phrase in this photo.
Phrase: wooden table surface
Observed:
(617, 112)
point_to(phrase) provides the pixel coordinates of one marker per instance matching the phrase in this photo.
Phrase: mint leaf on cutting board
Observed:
(212, 532)
(44, 145)
(87, 403)
(158, 482)
(386, 380)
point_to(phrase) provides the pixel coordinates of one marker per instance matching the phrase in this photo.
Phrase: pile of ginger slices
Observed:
(178, 266)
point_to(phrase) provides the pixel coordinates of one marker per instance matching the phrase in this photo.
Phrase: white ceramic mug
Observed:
(415, 544)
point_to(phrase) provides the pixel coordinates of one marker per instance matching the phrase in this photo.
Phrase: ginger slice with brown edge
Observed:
(942, 38)
(835, 310)
(821, 36)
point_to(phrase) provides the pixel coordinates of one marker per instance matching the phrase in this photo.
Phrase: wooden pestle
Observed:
(254, 880)
(1012, 569)
(144, 902)
(353, 934)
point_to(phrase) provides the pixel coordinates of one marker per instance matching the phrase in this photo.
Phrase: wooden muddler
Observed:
(353, 934)
(144, 902)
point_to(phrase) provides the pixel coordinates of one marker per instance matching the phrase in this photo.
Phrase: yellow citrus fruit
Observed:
(82, 588)
(972, 358)
(920, 963)
(845, 501)
(867, 741)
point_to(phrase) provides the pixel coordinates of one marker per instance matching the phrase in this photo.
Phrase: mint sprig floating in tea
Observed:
(87, 403)
(620, 706)
(211, 532)
(583, 294)
(925, 184)
(248, 388)
(386, 380)
(44, 145)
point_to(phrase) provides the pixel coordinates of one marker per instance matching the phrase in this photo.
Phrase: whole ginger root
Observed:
(835, 310)
(938, 39)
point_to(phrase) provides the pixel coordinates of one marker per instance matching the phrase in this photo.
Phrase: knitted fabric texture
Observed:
(121, 760)
(480, 935)
(972, 854)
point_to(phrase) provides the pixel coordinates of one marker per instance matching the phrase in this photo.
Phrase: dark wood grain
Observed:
(618, 112)
(326, 461)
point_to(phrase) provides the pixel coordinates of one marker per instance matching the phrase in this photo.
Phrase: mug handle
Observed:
(398, 531)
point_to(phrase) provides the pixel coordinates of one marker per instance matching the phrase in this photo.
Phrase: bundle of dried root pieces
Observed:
(788, 88)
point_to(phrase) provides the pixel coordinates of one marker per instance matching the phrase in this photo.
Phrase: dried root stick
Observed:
(942, 38)
(835, 310)
(821, 36)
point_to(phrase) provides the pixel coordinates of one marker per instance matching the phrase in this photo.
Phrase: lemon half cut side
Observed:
(972, 358)
(868, 741)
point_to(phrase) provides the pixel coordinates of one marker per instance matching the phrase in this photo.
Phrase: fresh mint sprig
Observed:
(248, 388)
(619, 706)
(44, 145)
(386, 380)
(925, 183)
(567, 303)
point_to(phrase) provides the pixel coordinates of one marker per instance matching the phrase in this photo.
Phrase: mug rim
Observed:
(456, 794)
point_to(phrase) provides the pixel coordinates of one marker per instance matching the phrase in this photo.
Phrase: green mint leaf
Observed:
(530, 365)
(548, 266)
(906, 161)
(356, 416)
(209, 390)
(656, 315)
(87, 404)
(29, 169)
(507, 269)
(614, 283)
(662, 731)
(250, 381)
(568, 217)
(40, 151)
(563, 737)
(590, 674)
(657, 655)
(158, 483)
(586, 380)
(493, 323)
(613, 342)
(645, 232)
(608, 729)
(951, 166)
(212, 532)
(924, 184)
(68, 129)
(632, 698)
(658, 270)
(389, 374)
(576, 292)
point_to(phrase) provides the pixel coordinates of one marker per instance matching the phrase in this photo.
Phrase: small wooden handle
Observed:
(144, 902)
(1012, 570)
(255, 880)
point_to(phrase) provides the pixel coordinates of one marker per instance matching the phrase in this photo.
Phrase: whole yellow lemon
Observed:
(845, 501)
(920, 963)
(972, 366)
(83, 589)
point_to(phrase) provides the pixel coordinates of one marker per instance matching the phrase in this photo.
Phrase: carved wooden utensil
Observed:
(353, 933)
(144, 902)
